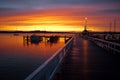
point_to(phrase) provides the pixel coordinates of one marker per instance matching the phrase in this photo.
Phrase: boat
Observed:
(35, 39)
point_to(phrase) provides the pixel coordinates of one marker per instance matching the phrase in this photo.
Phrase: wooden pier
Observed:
(87, 61)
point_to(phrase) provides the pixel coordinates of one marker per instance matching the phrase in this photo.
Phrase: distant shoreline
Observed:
(34, 32)
(54, 32)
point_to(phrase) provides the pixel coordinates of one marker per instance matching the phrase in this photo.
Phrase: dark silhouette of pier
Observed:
(36, 39)
(86, 61)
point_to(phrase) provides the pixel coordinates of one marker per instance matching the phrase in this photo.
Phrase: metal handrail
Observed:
(110, 46)
(49, 68)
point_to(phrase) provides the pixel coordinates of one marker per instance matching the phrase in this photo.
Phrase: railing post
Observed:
(109, 46)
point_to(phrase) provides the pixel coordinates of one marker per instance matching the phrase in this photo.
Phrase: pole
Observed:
(110, 27)
(85, 27)
(114, 26)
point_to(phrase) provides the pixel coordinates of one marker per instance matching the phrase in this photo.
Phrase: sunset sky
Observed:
(59, 15)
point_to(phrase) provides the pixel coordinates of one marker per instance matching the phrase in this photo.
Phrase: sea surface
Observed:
(20, 56)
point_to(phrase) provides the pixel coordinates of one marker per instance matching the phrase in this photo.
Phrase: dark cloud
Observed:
(21, 7)
(13, 11)
(43, 3)
(86, 2)
(21, 3)
(6, 9)
(111, 11)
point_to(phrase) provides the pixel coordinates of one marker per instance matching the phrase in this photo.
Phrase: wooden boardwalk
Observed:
(86, 61)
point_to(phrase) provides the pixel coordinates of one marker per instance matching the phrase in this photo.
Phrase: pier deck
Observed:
(86, 61)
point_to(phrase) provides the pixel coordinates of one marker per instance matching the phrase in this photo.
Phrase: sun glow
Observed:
(41, 23)
(55, 20)
(43, 28)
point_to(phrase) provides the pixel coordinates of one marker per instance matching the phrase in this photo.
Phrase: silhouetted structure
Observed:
(33, 39)
(54, 39)
(85, 32)
(67, 39)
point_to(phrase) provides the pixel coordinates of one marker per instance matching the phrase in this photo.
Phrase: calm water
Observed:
(19, 56)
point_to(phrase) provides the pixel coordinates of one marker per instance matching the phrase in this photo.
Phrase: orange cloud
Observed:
(57, 19)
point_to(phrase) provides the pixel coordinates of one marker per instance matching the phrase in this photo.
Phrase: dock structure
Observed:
(87, 61)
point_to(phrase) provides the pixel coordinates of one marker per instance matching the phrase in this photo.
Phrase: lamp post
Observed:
(85, 27)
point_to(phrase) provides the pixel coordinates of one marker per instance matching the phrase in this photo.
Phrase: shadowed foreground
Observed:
(89, 62)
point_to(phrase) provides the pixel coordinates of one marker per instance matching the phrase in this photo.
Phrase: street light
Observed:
(85, 23)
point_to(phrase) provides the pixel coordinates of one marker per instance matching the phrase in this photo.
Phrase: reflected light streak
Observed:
(85, 58)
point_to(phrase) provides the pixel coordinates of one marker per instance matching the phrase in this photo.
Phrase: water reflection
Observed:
(24, 53)
(85, 59)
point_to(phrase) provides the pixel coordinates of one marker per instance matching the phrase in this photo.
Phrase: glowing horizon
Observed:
(60, 18)
(42, 28)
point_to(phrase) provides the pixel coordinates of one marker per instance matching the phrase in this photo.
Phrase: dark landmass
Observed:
(37, 31)
(33, 32)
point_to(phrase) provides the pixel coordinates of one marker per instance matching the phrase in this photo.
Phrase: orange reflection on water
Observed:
(85, 59)
(10, 43)
(16, 46)
(17, 56)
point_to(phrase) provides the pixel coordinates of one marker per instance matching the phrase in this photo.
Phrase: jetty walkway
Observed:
(86, 61)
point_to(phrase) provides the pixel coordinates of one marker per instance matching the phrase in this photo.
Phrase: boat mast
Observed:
(114, 25)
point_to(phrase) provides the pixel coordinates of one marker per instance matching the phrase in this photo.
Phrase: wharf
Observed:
(86, 61)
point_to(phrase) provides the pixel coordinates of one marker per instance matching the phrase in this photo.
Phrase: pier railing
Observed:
(49, 68)
(107, 45)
